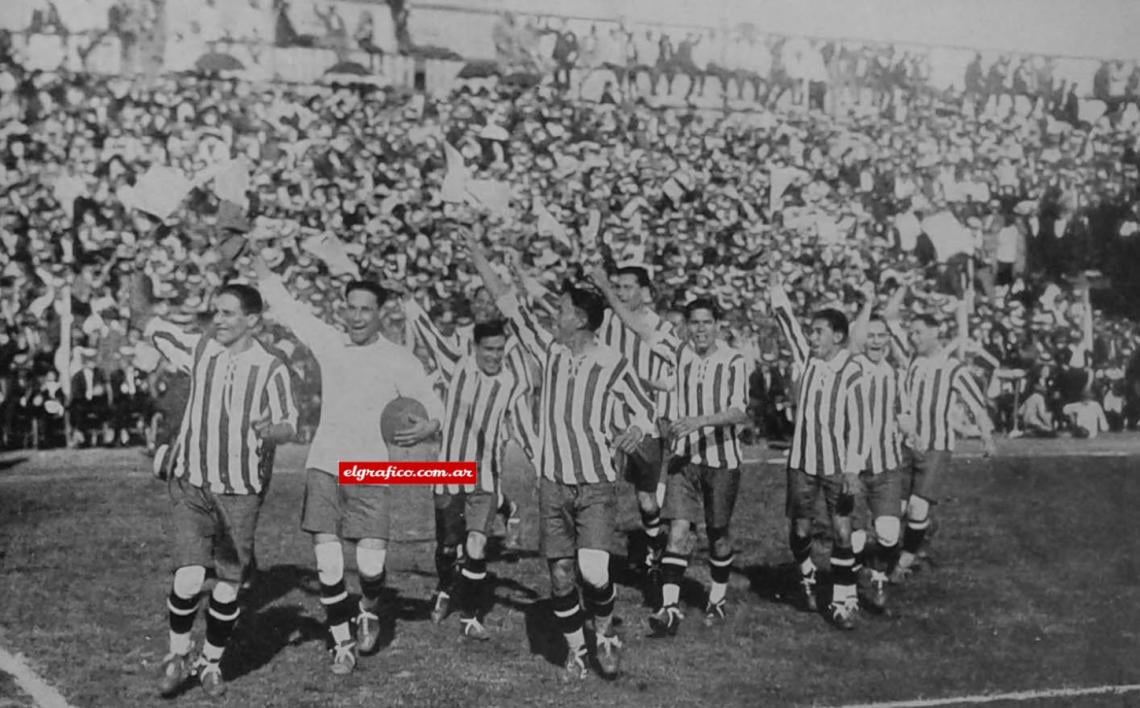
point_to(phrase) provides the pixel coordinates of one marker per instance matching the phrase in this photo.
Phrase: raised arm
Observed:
(445, 351)
(644, 330)
(310, 329)
(789, 326)
(862, 321)
(533, 336)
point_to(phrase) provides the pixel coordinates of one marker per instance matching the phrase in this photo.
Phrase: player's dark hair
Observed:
(703, 303)
(589, 301)
(247, 295)
(876, 317)
(493, 328)
(369, 286)
(638, 272)
(836, 321)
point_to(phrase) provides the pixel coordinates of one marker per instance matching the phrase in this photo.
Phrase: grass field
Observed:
(1036, 586)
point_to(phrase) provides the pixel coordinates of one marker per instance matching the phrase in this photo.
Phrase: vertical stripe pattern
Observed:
(930, 385)
(707, 385)
(885, 401)
(583, 402)
(217, 446)
(831, 409)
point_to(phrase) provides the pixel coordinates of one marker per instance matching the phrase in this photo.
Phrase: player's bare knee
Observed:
(563, 577)
(188, 580)
(225, 592)
(594, 566)
(720, 542)
(918, 509)
(887, 530)
(858, 540)
(678, 536)
(801, 527)
(647, 503)
(476, 545)
(370, 561)
(330, 562)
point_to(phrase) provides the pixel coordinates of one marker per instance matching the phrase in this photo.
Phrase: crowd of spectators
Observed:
(713, 201)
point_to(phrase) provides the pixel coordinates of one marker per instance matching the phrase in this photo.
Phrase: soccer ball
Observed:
(401, 414)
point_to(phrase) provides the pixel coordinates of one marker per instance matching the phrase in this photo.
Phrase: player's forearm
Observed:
(491, 280)
(732, 416)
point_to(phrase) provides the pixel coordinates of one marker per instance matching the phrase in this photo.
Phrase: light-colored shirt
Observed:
(357, 383)
(1088, 415)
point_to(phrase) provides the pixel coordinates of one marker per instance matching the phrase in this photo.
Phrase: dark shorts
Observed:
(351, 511)
(804, 489)
(881, 492)
(574, 517)
(214, 530)
(691, 490)
(922, 473)
(643, 470)
(457, 515)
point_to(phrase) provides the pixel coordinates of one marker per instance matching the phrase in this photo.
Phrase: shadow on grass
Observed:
(491, 597)
(543, 637)
(9, 463)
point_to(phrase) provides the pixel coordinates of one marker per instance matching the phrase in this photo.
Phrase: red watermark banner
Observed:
(407, 472)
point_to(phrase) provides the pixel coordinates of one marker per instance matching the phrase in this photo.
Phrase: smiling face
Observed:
(703, 330)
(362, 313)
(230, 321)
(878, 340)
(489, 353)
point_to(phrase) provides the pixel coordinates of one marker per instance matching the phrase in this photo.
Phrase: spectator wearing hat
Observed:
(90, 400)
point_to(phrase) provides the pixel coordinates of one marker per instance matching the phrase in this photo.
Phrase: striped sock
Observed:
(370, 591)
(569, 619)
(338, 611)
(915, 535)
(842, 575)
(673, 567)
(720, 569)
(445, 568)
(655, 535)
(472, 578)
(886, 557)
(600, 601)
(181, 612)
(220, 623)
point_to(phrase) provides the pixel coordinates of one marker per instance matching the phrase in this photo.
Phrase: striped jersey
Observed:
(462, 341)
(884, 391)
(217, 447)
(480, 410)
(707, 385)
(831, 407)
(649, 364)
(929, 385)
(358, 381)
(582, 401)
